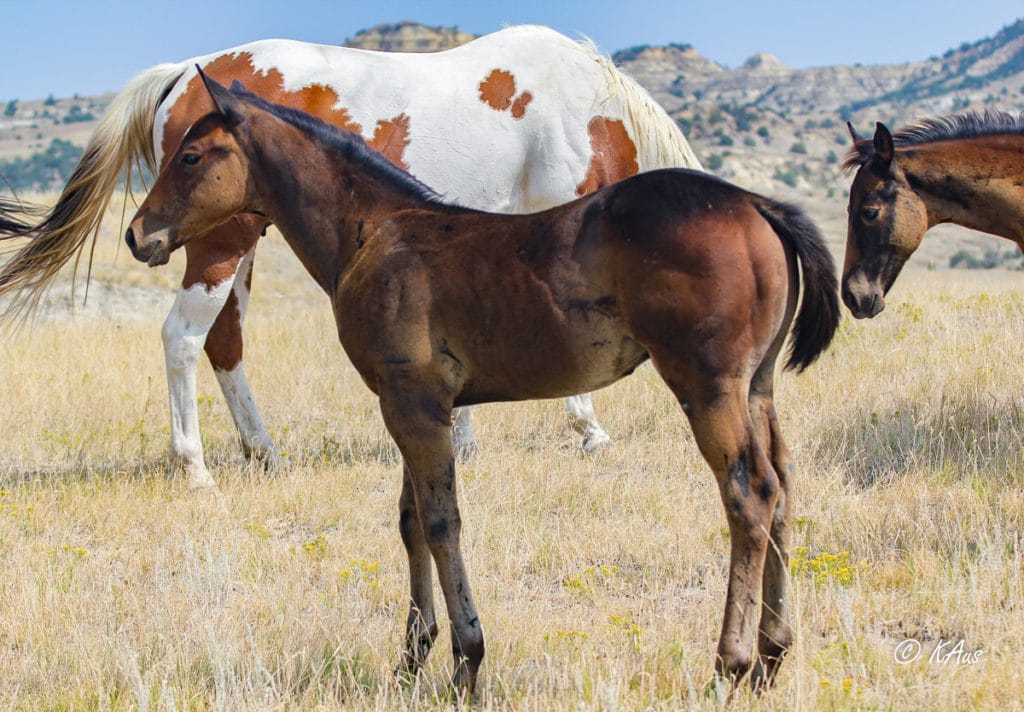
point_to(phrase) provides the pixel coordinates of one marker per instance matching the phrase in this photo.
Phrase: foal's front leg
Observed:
(421, 625)
(420, 423)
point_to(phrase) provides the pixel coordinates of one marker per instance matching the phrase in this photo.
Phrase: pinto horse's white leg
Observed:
(463, 438)
(184, 333)
(583, 420)
(223, 346)
(207, 287)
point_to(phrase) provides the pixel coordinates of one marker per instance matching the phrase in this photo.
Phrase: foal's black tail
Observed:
(816, 322)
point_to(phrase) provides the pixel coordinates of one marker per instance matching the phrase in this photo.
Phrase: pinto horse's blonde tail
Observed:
(818, 317)
(123, 138)
(660, 142)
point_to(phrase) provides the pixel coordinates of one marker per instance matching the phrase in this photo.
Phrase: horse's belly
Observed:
(551, 364)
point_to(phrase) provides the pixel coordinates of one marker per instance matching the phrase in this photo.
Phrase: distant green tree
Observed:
(50, 101)
(42, 171)
(714, 162)
(12, 108)
(798, 147)
(788, 177)
(76, 115)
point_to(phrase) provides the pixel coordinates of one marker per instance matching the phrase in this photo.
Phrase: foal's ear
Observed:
(857, 138)
(883, 143)
(226, 103)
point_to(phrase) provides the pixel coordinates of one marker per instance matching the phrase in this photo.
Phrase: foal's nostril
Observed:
(129, 237)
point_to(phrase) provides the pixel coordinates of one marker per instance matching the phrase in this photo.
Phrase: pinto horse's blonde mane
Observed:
(659, 141)
(970, 124)
(123, 134)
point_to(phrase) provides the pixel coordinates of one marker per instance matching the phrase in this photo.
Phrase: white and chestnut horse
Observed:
(516, 121)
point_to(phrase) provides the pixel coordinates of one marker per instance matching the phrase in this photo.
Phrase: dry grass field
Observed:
(600, 581)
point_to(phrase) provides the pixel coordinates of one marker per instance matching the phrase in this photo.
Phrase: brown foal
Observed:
(965, 169)
(439, 306)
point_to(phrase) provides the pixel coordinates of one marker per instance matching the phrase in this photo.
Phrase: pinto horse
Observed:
(439, 306)
(516, 121)
(965, 169)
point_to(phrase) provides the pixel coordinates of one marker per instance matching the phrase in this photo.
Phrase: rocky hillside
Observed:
(408, 37)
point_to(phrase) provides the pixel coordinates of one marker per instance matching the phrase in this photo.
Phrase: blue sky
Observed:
(92, 46)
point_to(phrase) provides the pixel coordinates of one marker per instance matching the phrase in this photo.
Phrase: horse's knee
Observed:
(181, 351)
(441, 529)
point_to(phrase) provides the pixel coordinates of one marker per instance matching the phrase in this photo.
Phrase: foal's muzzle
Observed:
(864, 298)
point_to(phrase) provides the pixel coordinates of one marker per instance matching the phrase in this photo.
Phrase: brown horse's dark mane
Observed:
(970, 124)
(348, 143)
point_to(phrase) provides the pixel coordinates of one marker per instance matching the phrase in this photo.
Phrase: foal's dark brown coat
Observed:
(439, 306)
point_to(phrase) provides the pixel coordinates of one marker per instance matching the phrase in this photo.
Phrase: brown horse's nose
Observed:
(129, 238)
(863, 306)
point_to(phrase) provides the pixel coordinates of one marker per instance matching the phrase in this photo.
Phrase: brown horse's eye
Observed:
(190, 159)
(869, 214)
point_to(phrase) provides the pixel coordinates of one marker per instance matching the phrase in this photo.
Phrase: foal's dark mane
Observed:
(941, 128)
(348, 143)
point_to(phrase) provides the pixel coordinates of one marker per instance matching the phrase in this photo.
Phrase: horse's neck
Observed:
(975, 183)
(323, 205)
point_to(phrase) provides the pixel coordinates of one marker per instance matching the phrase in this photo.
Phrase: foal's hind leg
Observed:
(748, 486)
(775, 633)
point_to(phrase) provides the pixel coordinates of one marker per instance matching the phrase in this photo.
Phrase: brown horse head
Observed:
(204, 184)
(886, 223)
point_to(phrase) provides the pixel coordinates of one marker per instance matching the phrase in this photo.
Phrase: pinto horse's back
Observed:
(553, 118)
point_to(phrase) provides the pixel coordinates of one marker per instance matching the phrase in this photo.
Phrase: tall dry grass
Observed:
(600, 581)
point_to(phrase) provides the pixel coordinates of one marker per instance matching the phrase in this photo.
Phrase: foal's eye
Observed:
(190, 159)
(869, 214)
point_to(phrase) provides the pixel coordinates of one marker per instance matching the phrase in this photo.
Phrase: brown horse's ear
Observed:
(857, 138)
(883, 143)
(226, 103)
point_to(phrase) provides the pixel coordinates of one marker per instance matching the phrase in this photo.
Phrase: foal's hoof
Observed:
(595, 442)
(463, 682)
(762, 675)
(718, 691)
